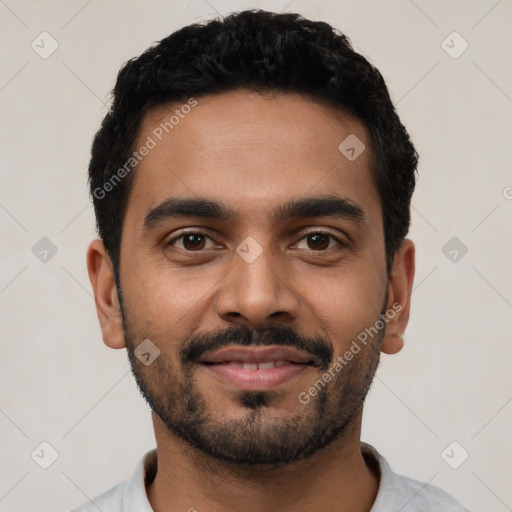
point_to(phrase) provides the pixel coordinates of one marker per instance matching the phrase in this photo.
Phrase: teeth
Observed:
(265, 365)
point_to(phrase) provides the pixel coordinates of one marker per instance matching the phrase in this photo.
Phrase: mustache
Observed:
(318, 347)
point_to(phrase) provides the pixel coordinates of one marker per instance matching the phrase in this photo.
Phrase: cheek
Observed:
(346, 304)
(165, 302)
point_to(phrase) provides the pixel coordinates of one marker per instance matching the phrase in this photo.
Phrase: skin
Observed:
(253, 152)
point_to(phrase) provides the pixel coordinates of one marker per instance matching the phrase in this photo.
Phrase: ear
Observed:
(101, 274)
(399, 298)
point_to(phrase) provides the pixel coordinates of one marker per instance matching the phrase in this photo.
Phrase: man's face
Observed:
(223, 299)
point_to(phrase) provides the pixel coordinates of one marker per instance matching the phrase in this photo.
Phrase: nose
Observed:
(256, 293)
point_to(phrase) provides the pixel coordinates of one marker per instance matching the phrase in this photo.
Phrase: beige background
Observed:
(452, 382)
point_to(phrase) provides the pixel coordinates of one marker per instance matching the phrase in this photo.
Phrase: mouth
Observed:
(257, 368)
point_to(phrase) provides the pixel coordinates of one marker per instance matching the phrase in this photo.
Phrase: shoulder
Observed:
(129, 495)
(397, 492)
(109, 501)
(424, 497)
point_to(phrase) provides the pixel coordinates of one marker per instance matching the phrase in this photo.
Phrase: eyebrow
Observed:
(308, 207)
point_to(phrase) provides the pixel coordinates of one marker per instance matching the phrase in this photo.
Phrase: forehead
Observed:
(251, 151)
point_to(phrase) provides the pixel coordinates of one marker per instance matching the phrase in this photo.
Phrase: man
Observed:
(252, 185)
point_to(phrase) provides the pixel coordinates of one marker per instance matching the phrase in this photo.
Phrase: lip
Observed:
(257, 355)
(226, 364)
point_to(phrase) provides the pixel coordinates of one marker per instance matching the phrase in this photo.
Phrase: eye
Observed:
(191, 241)
(196, 241)
(320, 241)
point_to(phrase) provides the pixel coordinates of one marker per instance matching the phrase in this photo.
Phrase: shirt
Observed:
(396, 493)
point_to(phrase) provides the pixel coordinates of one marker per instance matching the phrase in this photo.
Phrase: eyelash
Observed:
(341, 243)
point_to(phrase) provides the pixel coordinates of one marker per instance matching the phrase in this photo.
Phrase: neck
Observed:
(333, 479)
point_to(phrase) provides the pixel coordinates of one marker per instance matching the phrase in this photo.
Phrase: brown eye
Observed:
(190, 241)
(193, 242)
(318, 241)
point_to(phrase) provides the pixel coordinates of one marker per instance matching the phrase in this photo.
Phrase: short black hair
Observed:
(259, 51)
